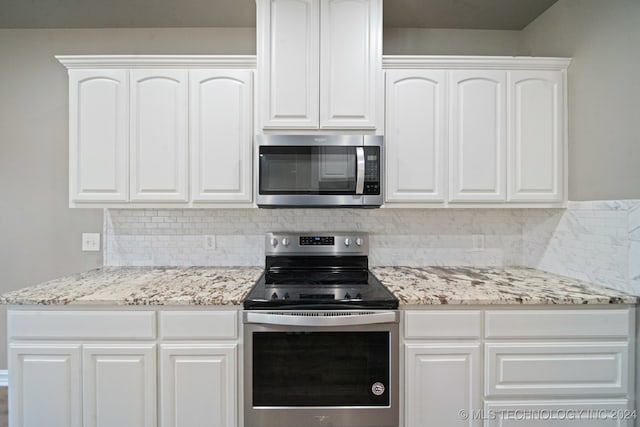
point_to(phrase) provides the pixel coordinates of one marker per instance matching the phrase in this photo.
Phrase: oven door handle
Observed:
(316, 319)
(361, 170)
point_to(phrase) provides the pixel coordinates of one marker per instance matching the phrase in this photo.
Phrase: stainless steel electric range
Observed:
(320, 336)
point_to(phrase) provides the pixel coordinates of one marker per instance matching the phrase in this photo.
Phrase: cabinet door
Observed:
(350, 63)
(45, 385)
(198, 383)
(441, 381)
(221, 135)
(415, 139)
(478, 123)
(159, 135)
(119, 384)
(288, 47)
(536, 136)
(98, 135)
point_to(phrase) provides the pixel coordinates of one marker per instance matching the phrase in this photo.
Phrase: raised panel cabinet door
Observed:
(45, 386)
(415, 139)
(221, 135)
(198, 385)
(536, 136)
(442, 381)
(119, 385)
(478, 129)
(98, 135)
(350, 63)
(159, 135)
(288, 67)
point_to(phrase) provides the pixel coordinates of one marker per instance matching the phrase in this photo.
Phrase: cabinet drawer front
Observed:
(557, 369)
(82, 324)
(571, 413)
(199, 325)
(442, 324)
(557, 323)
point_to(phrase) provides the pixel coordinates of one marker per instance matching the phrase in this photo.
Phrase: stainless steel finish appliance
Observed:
(319, 171)
(321, 336)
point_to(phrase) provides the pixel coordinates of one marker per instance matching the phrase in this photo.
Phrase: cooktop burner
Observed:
(318, 271)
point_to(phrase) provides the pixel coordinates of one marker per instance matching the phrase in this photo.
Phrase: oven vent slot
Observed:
(321, 313)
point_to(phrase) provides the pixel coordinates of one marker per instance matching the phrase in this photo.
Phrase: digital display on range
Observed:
(317, 240)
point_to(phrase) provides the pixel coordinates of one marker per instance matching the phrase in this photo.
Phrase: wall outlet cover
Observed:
(90, 242)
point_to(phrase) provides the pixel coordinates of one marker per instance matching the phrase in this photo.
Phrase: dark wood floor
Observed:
(4, 421)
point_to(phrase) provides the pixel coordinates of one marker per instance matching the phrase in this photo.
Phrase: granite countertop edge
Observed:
(227, 286)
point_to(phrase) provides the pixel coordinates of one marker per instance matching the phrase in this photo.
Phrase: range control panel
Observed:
(322, 243)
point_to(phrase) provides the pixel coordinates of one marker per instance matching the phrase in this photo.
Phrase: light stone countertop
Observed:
(492, 285)
(214, 286)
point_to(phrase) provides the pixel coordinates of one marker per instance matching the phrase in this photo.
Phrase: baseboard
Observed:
(4, 378)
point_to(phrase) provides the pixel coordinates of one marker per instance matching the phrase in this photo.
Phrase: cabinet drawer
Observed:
(80, 324)
(442, 324)
(570, 413)
(557, 369)
(557, 323)
(199, 324)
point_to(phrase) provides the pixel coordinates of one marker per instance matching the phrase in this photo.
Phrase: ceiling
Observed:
(469, 14)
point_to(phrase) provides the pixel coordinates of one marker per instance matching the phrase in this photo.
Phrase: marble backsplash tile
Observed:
(594, 241)
(412, 237)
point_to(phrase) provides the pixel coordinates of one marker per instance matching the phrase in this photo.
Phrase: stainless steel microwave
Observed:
(319, 171)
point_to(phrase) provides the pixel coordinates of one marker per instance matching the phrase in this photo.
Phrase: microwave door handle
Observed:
(360, 170)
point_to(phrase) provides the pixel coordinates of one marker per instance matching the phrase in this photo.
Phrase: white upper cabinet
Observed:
(157, 131)
(319, 63)
(220, 133)
(536, 149)
(289, 77)
(415, 140)
(478, 131)
(99, 135)
(159, 135)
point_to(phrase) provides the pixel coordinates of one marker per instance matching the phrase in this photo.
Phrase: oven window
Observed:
(307, 170)
(320, 368)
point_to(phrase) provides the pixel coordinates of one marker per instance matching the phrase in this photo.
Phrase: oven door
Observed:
(318, 171)
(314, 368)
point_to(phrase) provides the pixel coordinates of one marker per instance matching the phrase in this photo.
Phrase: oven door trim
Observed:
(345, 416)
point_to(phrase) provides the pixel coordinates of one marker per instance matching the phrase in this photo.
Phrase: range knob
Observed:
(274, 242)
(285, 242)
(347, 241)
(274, 296)
(358, 241)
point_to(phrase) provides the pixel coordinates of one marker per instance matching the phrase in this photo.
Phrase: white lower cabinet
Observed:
(198, 385)
(45, 385)
(119, 385)
(541, 366)
(443, 385)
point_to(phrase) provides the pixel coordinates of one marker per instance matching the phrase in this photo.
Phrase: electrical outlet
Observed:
(210, 242)
(90, 242)
(477, 242)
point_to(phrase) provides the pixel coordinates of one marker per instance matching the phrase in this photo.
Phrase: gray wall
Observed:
(603, 37)
(39, 235)
(428, 41)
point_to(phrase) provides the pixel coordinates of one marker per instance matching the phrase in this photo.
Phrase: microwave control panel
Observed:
(372, 170)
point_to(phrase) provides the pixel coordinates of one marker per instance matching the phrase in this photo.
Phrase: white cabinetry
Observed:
(415, 139)
(99, 135)
(159, 135)
(198, 368)
(442, 376)
(536, 135)
(154, 131)
(478, 130)
(45, 385)
(221, 135)
(119, 385)
(319, 63)
(475, 132)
